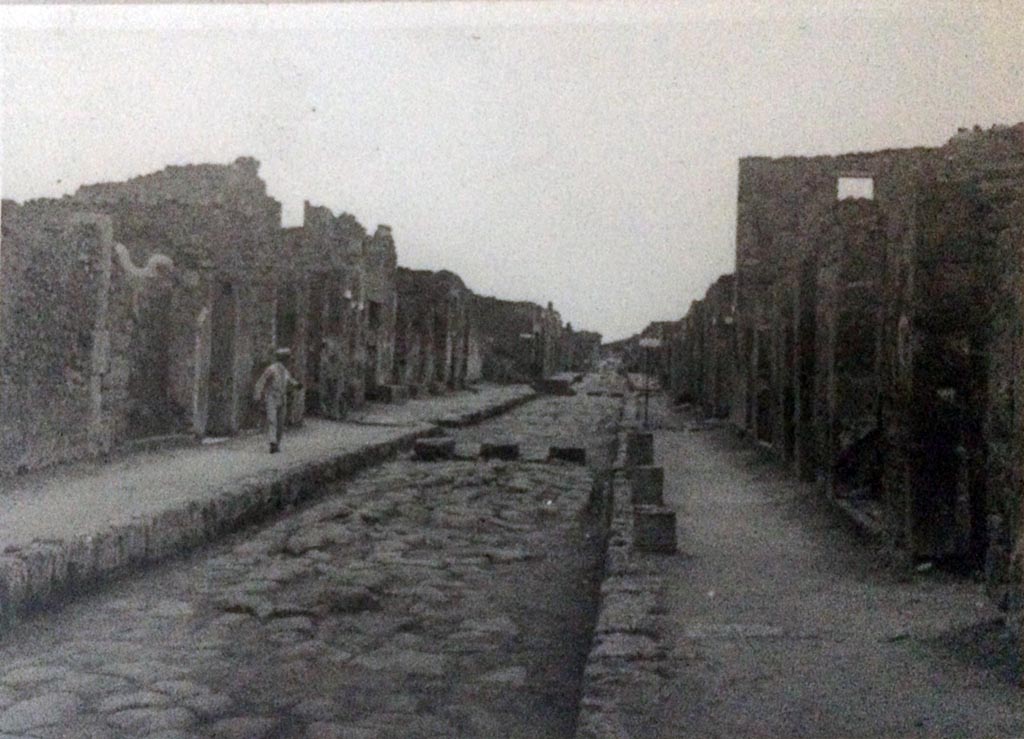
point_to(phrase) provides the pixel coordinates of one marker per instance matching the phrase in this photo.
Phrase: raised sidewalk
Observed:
(66, 528)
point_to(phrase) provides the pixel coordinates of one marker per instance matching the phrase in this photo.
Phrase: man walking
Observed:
(272, 388)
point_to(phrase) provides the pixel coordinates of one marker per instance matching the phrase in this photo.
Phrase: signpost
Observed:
(647, 344)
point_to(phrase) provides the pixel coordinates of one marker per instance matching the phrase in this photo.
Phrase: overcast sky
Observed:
(584, 154)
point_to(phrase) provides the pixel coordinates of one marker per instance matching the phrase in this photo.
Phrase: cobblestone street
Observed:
(417, 599)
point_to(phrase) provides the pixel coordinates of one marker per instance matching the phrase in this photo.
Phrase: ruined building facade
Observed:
(871, 338)
(336, 310)
(522, 342)
(145, 309)
(163, 335)
(581, 350)
(437, 343)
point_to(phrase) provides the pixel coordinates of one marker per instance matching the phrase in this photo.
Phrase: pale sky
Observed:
(579, 153)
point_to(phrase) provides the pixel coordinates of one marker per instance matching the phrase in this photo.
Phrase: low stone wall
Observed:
(628, 657)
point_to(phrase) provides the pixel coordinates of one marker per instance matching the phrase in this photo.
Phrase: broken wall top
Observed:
(204, 217)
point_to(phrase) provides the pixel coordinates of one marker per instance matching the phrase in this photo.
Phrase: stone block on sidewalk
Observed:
(434, 449)
(654, 529)
(639, 448)
(506, 450)
(647, 485)
(574, 454)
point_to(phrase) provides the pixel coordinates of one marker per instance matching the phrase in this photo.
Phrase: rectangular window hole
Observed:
(855, 186)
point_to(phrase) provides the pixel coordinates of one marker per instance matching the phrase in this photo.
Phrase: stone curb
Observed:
(475, 417)
(628, 656)
(52, 571)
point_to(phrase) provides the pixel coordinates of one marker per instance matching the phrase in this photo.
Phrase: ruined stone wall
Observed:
(437, 342)
(948, 354)
(413, 331)
(784, 212)
(936, 408)
(994, 160)
(694, 353)
(581, 349)
(379, 265)
(877, 339)
(677, 339)
(718, 348)
(474, 343)
(511, 340)
(219, 229)
(55, 272)
(1004, 420)
(346, 310)
(456, 302)
(208, 215)
(182, 286)
(551, 339)
(667, 356)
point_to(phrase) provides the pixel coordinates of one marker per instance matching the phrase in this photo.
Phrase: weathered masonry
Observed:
(133, 310)
(871, 337)
(335, 307)
(522, 341)
(581, 350)
(437, 345)
(53, 362)
(145, 309)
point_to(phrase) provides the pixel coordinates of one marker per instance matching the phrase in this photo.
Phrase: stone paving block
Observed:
(434, 449)
(574, 454)
(506, 450)
(647, 485)
(554, 386)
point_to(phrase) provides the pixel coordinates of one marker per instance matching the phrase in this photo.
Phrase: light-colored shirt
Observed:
(275, 382)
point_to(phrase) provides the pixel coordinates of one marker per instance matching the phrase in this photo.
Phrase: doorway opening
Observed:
(222, 360)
